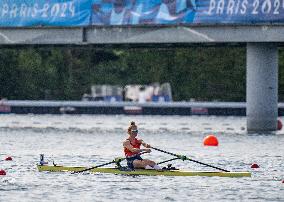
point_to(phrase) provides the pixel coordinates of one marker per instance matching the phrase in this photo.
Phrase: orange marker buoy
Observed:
(8, 158)
(210, 140)
(279, 125)
(254, 165)
(2, 172)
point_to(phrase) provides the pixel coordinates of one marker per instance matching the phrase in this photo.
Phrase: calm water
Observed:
(88, 140)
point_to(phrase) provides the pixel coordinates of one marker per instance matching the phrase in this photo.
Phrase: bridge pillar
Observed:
(262, 87)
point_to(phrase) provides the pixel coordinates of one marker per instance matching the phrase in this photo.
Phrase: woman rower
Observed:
(132, 150)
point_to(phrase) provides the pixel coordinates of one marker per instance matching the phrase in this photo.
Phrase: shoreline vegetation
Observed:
(61, 73)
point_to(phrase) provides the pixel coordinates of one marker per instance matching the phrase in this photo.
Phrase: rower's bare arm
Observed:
(127, 145)
(145, 144)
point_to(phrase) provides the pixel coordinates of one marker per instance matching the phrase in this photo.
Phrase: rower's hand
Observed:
(148, 146)
(147, 150)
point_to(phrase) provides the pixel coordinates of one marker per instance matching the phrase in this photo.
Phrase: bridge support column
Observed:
(262, 87)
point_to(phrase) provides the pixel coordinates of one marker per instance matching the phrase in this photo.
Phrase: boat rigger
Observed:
(144, 171)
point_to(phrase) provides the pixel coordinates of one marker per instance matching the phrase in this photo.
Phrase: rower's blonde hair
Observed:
(131, 127)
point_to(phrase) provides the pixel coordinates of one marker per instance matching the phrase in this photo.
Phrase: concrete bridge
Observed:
(262, 43)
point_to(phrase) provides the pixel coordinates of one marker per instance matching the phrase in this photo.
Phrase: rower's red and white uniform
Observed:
(135, 144)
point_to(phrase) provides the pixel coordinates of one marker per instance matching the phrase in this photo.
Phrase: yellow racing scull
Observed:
(49, 168)
(169, 171)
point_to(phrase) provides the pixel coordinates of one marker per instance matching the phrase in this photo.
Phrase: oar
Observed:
(168, 160)
(182, 157)
(116, 160)
(87, 169)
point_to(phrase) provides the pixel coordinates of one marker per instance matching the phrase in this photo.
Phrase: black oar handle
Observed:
(166, 152)
(186, 158)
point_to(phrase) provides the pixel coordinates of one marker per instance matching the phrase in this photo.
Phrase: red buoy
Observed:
(2, 172)
(254, 165)
(8, 158)
(279, 125)
(210, 140)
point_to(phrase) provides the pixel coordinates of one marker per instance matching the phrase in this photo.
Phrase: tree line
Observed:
(66, 73)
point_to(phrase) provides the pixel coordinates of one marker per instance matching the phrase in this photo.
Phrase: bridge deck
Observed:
(142, 35)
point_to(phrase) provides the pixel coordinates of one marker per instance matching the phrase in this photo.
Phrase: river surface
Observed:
(87, 140)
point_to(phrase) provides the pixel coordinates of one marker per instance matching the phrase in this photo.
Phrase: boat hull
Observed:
(145, 172)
